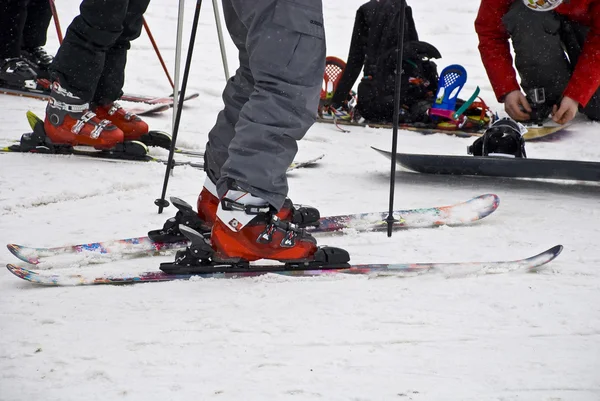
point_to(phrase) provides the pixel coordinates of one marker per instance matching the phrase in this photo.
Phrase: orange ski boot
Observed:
(70, 122)
(132, 126)
(248, 229)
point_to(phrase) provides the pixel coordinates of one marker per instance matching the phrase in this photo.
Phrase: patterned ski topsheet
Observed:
(462, 213)
(531, 264)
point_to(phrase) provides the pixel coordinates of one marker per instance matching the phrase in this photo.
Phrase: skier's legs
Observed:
(111, 81)
(13, 14)
(36, 24)
(286, 47)
(80, 60)
(236, 94)
(539, 55)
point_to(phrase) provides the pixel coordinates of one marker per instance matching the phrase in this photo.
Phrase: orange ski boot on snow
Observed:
(132, 126)
(247, 229)
(69, 121)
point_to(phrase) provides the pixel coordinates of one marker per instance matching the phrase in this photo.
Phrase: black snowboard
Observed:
(498, 166)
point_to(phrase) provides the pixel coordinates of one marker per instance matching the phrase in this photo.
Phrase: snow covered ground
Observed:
(504, 337)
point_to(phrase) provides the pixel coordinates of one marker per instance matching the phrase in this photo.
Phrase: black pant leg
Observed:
(80, 60)
(539, 55)
(592, 109)
(112, 79)
(574, 36)
(38, 19)
(12, 20)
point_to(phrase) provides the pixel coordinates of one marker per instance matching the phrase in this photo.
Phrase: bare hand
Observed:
(566, 112)
(517, 106)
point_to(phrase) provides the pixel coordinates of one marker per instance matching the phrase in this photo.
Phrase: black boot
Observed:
(17, 73)
(39, 61)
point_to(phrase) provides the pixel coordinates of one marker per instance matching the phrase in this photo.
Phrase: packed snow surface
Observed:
(500, 337)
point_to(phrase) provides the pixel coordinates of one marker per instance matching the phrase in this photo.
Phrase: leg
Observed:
(36, 24)
(12, 20)
(284, 52)
(111, 81)
(539, 55)
(286, 47)
(236, 94)
(574, 38)
(592, 110)
(80, 60)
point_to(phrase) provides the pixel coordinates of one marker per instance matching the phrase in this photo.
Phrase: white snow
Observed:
(502, 337)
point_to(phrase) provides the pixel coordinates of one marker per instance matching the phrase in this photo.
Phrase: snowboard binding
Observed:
(448, 112)
(504, 137)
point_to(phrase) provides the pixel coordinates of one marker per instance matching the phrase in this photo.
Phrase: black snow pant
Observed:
(90, 63)
(272, 99)
(539, 41)
(23, 25)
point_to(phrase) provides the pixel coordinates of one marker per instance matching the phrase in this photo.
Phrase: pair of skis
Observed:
(151, 104)
(131, 151)
(459, 214)
(119, 157)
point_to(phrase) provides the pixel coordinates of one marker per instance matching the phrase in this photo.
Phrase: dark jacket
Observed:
(370, 29)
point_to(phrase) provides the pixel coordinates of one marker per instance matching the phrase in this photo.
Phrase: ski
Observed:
(102, 155)
(530, 264)
(124, 158)
(458, 214)
(146, 111)
(159, 104)
(155, 100)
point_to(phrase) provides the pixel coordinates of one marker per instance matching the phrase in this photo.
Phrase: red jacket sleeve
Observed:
(495, 48)
(585, 80)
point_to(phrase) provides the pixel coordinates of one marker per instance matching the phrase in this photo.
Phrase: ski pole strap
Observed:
(466, 105)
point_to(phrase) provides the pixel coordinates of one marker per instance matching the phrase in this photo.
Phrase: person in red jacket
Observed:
(557, 55)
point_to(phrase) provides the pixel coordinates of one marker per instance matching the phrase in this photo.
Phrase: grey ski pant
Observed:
(272, 99)
(539, 41)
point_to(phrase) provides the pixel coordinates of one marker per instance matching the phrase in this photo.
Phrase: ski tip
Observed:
(545, 257)
(20, 272)
(493, 198)
(35, 277)
(494, 202)
(17, 250)
(556, 250)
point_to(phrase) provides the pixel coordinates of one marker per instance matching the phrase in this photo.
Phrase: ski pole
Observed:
(162, 62)
(399, 53)
(178, 45)
(162, 202)
(221, 41)
(56, 21)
